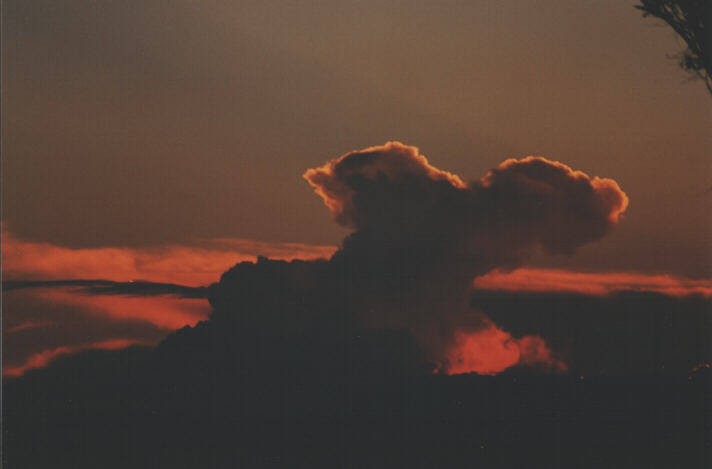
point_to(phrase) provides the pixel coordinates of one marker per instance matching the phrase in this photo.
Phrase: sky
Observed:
(221, 215)
(147, 142)
(137, 124)
(165, 144)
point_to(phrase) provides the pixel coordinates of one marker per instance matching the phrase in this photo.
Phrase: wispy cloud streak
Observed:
(109, 287)
(591, 283)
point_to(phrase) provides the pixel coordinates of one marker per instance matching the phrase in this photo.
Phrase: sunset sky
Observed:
(165, 144)
(257, 230)
(138, 124)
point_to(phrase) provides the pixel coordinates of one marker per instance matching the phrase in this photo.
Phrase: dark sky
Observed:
(139, 123)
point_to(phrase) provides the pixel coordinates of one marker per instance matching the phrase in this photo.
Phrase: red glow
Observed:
(491, 350)
(42, 359)
(28, 325)
(196, 264)
(700, 366)
(603, 283)
(193, 265)
(182, 264)
(162, 311)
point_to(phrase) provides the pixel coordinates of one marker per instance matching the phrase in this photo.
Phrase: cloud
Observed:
(340, 182)
(100, 285)
(422, 234)
(44, 358)
(27, 325)
(165, 306)
(193, 264)
(39, 319)
(63, 315)
(620, 333)
(491, 350)
(590, 283)
(108, 287)
(532, 202)
(353, 352)
(166, 312)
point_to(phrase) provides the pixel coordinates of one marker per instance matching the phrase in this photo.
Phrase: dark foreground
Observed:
(196, 416)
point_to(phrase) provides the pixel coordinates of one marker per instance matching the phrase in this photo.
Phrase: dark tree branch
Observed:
(689, 19)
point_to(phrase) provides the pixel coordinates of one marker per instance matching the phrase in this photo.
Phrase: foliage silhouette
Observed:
(690, 19)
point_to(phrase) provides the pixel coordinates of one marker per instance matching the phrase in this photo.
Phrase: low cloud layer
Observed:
(38, 321)
(44, 358)
(194, 263)
(109, 287)
(591, 283)
(60, 298)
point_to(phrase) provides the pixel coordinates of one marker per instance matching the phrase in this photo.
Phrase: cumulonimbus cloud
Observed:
(393, 188)
(422, 234)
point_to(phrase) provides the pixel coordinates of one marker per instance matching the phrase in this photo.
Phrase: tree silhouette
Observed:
(689, 19)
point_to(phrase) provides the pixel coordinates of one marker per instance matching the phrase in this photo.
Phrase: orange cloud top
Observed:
(561, 208)
(391, 191)
(601, 283)
(534, 170)
(392, 161)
